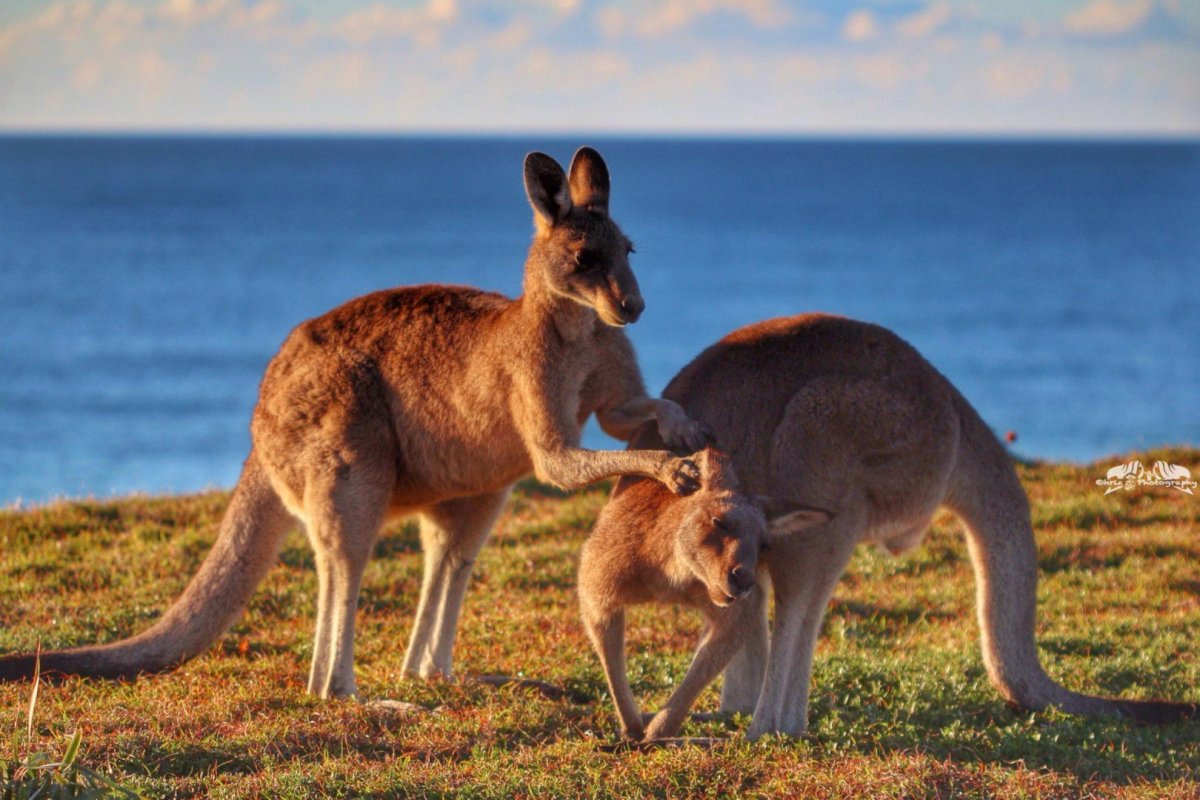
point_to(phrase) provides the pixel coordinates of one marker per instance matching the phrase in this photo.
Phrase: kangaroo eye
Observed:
(588, 261)
(717, 522)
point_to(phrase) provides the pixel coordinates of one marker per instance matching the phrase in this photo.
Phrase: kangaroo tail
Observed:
(252, 531)
(987, 494)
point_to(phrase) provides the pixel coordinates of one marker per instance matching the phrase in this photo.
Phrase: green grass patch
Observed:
(901, 705)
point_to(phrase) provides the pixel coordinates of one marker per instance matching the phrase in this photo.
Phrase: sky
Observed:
(1008, 67)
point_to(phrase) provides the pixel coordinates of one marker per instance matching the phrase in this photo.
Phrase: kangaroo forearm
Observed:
(680, 432)
(573, 467)
(622, 421)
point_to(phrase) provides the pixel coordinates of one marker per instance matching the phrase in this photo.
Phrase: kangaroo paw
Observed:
(681, 476)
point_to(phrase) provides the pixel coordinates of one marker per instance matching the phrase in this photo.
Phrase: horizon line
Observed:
(1028, 135)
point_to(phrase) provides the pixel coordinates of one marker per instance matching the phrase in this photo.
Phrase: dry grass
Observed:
(901, 706)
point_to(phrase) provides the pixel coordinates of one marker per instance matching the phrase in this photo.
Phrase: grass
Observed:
(901, 705)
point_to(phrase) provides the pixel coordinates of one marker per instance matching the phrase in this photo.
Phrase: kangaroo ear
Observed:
(796, 520)
(546, 185)
(589, 180)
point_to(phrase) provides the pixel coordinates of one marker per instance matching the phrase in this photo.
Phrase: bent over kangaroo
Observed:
(844, 434)
(433, 400)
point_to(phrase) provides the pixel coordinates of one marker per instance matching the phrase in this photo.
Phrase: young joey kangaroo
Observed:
(821, 412)
(431, 400)
(701, 551)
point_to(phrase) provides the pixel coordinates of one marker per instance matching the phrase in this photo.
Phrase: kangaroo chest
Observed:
(469, 436)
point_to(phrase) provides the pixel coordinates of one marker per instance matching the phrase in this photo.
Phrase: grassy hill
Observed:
(901, 705)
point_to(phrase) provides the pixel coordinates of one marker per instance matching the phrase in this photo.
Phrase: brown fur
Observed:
(828, 413)
(430, 400)
(701, 552)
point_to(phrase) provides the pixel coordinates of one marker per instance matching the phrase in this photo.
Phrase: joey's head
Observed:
(723, 531)
(578, 252)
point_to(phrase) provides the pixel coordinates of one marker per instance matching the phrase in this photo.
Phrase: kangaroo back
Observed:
(251, 533)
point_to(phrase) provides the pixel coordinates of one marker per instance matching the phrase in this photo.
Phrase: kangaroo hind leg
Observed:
(452, 534)
(804, 581)
(344, 515)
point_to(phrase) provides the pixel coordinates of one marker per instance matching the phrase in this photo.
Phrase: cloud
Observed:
(689, 65)
(1107, 17)
(938, 18)
(860, 26)
(382, 21)
(991, 42)
(565, 6)
(657, 18)
(1043, 76)
(1015, 79)
(886, 71)
(87, 75)
(925, 21)
(31, 27)
(1129, 20)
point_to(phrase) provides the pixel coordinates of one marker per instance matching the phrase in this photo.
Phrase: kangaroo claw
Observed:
(683, 476)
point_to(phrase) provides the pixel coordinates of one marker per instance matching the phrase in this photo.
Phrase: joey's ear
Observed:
(796, 520)
(589, 180)
(546, 185)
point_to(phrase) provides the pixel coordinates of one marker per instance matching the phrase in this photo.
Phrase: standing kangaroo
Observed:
(828, 414)
(431, 400)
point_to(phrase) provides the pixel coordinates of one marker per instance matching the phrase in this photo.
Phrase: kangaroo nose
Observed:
(633, 305)
(741, 580)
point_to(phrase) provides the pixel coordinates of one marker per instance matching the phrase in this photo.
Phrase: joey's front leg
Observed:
(725, 635)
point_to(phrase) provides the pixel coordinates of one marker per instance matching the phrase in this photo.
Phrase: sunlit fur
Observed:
(821, 412)
(701, 551)
(428, 400)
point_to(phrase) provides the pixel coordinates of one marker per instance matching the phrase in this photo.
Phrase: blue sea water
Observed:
(145, 282)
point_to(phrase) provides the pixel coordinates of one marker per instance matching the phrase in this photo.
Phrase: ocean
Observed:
(145, 281)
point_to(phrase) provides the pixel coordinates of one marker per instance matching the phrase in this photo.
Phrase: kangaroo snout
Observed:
(741, 581)
(632, 307)
(738, 583)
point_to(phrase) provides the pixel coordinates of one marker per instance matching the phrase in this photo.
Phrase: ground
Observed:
(901, 705)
